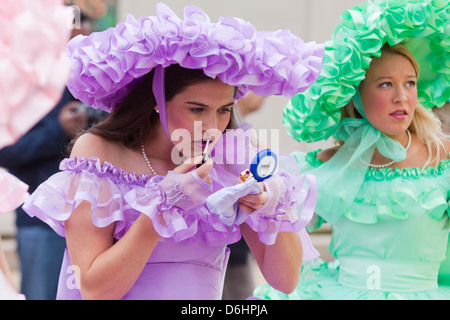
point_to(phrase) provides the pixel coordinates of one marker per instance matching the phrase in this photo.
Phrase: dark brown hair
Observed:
(136, 110)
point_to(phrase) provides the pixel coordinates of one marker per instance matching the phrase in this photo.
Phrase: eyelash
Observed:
(412, 84)
(199, 110)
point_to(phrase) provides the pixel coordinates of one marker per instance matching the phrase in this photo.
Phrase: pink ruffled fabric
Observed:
(33, 63)
(13, 192)
(7, 292)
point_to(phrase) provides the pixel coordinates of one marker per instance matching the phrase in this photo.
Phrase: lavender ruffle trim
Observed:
(55, 200)
(291, 212)
(173, 213)
(105, 64)
(119, 197)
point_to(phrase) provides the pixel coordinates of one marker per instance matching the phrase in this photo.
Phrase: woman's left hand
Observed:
(252, 202)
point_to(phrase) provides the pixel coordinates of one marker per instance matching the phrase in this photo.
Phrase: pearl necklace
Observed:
(146, 159)
(393, 161)
(145, 154)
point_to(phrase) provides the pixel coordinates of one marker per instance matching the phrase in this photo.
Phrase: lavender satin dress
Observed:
(190, 260)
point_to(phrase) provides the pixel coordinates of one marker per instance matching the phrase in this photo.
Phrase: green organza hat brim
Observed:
(423, 25)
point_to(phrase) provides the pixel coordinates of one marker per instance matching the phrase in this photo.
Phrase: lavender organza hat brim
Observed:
(106, 65)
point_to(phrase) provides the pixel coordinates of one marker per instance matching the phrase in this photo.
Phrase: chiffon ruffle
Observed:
(55, 200)
(395, 193)
(119, 197)
(32, 79)
(290, 211)
(177, 221)
(315, 114)
(13, 192)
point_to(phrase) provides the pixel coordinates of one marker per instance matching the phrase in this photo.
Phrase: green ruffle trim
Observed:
(391, 196)
(423, 25)
(389, 173)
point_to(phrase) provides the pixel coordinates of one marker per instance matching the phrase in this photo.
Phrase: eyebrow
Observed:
(389, 77)
(206, 106)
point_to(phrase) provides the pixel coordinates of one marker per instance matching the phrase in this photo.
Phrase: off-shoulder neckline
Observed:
(95, 165)
(380, 173)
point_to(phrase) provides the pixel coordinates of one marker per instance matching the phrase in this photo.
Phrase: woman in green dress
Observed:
(385, 187)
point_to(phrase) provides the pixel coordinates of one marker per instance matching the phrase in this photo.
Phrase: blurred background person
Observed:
(32, 159)
(443, 114)
(32, 83)
(249, 104)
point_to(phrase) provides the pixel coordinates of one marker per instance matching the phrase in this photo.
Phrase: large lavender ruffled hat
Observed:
(105, 65)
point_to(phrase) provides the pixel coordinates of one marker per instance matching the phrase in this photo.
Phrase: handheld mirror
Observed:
(263, 166)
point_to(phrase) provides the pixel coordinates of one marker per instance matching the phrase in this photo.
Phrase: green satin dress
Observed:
(391, 243)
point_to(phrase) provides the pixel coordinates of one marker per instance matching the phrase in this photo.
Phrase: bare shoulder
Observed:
(90, 145)
(419, 154)
(327, 154)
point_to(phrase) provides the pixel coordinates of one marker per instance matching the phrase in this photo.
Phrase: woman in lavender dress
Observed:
(134, 216)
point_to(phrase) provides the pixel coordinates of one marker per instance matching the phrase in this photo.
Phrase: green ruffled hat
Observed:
(422, 25)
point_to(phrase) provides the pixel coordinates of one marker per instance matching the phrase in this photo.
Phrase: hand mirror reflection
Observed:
(263, 166)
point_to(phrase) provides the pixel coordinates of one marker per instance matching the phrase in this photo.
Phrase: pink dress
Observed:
(190, 260)
(33, 63)
(12, 194)
(34, 70)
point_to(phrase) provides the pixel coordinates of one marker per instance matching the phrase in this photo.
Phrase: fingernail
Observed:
(198, 159)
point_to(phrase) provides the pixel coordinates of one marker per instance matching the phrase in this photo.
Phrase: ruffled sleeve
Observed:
(80, 180)
(306, 162)
(290, 206)
(169, 202)
(397, 192)
(391, 192)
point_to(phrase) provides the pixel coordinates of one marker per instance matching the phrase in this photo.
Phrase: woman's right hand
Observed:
(202, 171)
(186, 188)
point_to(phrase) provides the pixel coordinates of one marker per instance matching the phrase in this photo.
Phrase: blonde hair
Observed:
(425, 124)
